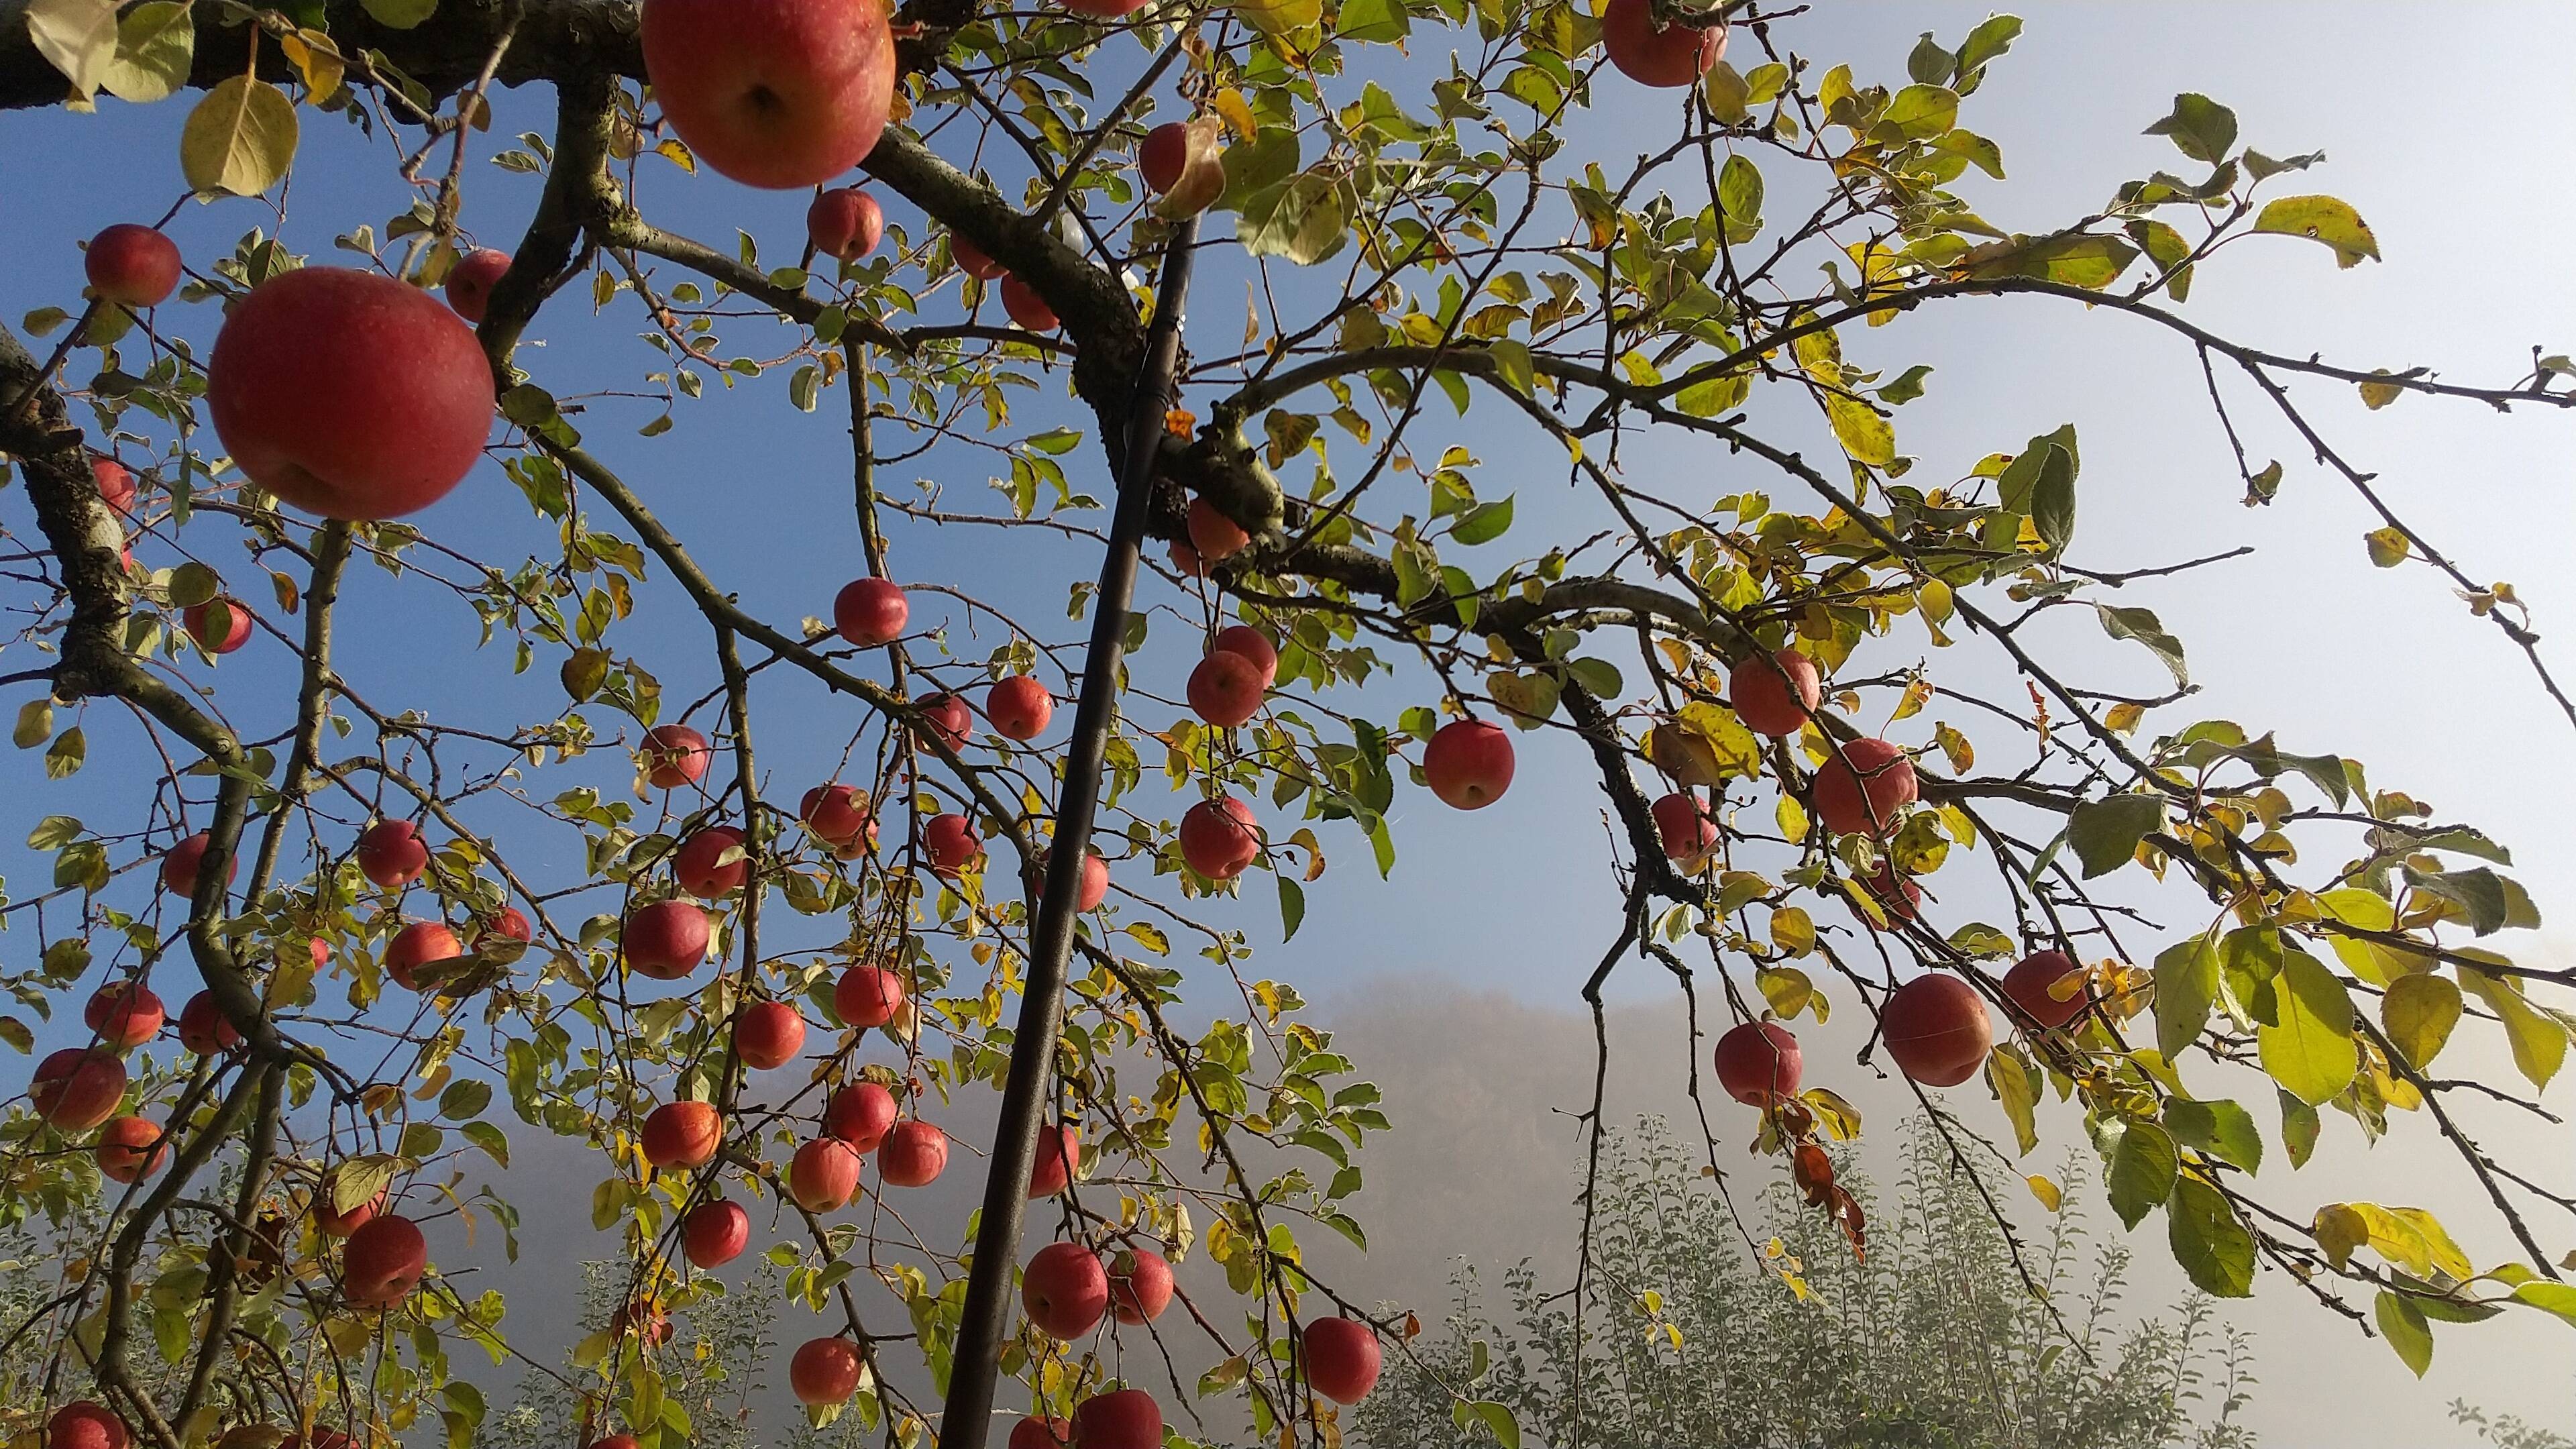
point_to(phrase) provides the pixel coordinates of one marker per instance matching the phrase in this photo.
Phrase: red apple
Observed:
(1065, 1290)
(2034, 982)
(945, 718)
(1758, 1063)
(1897, 895)
(867, 996)
(179, 865)
(203, 1027)
(700, 865)
(1019, 707)
(1658, 55)
(769, 1035)
(77, 1088)
(838, 814)
(508, 924)
(1059, 1158)
(823, 1175)
(1774, 695)
(675, 755)
(1688, 833)
(1140, 1285)
(860, 1114)
(1220, 838)
(1035, 1433)
(824, 1371)
(1468, 763)
(132, 265)
(913, 1153)
(1164, 156)
(124, 1014)
(383, 1262)
(870, 612)
(422, 943)
(1876, 767)
(1936, 1029)
(665, 940)
(82, 1424)
(845, 223)
(219, 626)
(1126, 1419)
(1185, 560)
(715, 1233)
(772, 93)
(1026, 307)
(470, 281)
(1095, 882)
(1226, 689)
(115, 484)
(320, 1438)
(1342, 1359)
(1252, 644)
(349, 394)
(1215, 536)
(336, 1224)
(131, 1149)
(392, 854)
(683, 1134)
(971, 258)
(951, 843)
(615, 1441)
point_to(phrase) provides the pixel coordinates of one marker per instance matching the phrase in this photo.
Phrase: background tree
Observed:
(381, 918)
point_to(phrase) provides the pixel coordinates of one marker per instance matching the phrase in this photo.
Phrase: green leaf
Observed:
(2221, 1128)
(2186, 985)
(69, 752)
(1372, 22)
(1483, 523)
(1292, 907)
(463, 1099)
(2538, 1039)
(240, 138)
(1512, 362)
(2143, 626)
(2310, 1052)
(2418, 1014)
(2403, 1325)
(2070, 259)
(35, 723)
(400, 14)
(156, 43)
(2299, 1126)
(2105, 833)
(1305, 221)
(1497, 1419)
(1992, 37)
(1739, 193)
(2558, 1298)
(2322, 219)
(1920, 112)
(1257, 166)
(2388, 547)
(2479, 893)
(2207, 1240)
(2143, 1170)
(2199, 127)
(359, 1180)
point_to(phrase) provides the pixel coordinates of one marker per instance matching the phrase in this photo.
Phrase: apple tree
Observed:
(341, 949)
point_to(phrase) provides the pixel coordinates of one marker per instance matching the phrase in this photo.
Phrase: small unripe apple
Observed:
(180, 862)
(334, 1223)
(1252, 644)
(383, 1261)
(77, 1088)
(470, 281)
(913, 1153)
(944, 718)
(82, 1424)
(1019, 707)
(715, 1233)
(132, 265)
(867, 996)
(131, 1149)
(1126, 1419)
(951, 843)
(422, 943)
(870, 612)
(1140, 1285)
(349, 394)
(675, 755)
(971, 259)
(665, 940)
(203, 1027)
(683, 1134)
(392, 854)
(1164, 155)
(1936, 1029)
(772, 93)
(699, 865)
(219, 626)
(845, 222)
(1468, 763)
(124, 1014)
(1758, 1063)
(860, 1114)
(2034, 982)
(1220, 838)
(1065, 1290)
(839, 815)
(1342, 1359)
(1226, 689)
(115, 484)
(823, 1175)
(1035, 1433)
(1658, 55)
(1863, 786)
(769, 1035)
(824, 1371)
(1059, 1158)
(1684, 826)
(1026, 307)
(1774, 694)
(1215, 536)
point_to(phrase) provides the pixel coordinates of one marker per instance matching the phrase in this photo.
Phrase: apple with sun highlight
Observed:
(772, 93)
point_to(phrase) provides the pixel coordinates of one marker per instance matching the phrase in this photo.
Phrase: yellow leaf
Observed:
(1794, 932)
(2377, 395)
(1229, 103)
(240, 138)
(1840, 1119)
(678, 155)
(1786, 989)
(2418, 1013)
(2046, 1191)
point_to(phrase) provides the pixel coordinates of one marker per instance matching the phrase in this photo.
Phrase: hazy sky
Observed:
(2447, 127)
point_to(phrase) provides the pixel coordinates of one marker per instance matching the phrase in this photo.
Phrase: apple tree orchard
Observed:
(291, 998)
